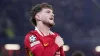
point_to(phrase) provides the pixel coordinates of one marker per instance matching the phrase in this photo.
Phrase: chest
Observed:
(47, 41)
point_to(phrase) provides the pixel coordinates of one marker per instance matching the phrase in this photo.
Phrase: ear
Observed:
(37, 16)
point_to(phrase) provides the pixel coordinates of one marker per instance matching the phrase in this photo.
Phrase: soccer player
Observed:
(42, 41)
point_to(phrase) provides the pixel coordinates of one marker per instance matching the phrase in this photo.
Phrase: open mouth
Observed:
(51, 18)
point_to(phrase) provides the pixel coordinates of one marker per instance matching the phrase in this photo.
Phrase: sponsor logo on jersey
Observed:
(46, 44)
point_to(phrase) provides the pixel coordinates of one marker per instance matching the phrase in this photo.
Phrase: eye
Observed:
(48, 11)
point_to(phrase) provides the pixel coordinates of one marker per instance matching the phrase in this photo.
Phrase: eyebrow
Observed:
(50, 10)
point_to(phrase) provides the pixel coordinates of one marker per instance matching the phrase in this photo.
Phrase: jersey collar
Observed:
(50, 32)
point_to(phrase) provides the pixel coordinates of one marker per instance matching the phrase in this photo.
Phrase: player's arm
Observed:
(59, 41)
(62, 52)
(33, 44)
(36, 47)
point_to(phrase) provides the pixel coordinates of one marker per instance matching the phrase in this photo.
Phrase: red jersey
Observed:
(38, 45)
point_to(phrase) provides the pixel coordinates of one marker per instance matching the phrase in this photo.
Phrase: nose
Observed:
(52, 14)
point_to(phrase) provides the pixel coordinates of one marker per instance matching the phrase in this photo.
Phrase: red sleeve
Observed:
(33, 45)
(60, 49)
(37, 48)
(62, 52)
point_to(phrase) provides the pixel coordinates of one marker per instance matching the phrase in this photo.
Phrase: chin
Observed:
(51, 24)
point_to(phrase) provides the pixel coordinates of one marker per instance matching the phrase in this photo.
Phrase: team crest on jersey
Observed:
(32, 38)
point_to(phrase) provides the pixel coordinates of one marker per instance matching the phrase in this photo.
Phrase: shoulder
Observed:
(56, 33)
(31, 33)
(30, 36)
(31, 39)
(53, 33)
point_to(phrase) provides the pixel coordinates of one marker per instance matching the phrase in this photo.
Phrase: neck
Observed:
(43, 28)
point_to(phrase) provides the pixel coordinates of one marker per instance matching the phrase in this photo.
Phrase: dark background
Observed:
(77, 21)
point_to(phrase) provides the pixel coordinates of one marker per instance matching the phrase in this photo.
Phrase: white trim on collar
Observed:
(38, 31)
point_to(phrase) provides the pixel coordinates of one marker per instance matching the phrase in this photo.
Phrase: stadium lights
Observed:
(12, 46)
(66, 47)
(97, 49)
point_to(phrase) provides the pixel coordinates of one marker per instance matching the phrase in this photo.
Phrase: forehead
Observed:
(47, 9)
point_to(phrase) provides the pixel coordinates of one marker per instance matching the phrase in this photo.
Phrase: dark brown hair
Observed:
(37, 8)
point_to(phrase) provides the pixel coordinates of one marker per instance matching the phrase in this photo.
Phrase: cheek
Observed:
(45, 17)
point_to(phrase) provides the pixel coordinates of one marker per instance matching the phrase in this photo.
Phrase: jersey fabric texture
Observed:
(39, 45)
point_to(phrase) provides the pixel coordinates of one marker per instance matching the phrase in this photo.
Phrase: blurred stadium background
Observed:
(77, 21)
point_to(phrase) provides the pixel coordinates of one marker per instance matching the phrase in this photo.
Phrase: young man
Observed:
(42, 41)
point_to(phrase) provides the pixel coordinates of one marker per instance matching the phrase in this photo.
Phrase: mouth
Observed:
(51, 18)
